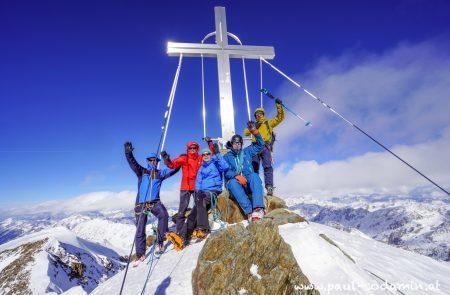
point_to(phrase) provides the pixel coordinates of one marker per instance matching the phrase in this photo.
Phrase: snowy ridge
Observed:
(418, 224)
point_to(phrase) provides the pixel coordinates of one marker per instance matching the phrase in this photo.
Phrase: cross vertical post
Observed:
(223, 52)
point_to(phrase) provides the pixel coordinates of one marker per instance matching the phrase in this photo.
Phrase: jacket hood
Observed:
(191, 143)
(155, 164)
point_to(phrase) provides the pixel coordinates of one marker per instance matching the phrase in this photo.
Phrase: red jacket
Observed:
(189, 163)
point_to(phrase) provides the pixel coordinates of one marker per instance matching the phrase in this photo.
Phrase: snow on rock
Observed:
(254, 271)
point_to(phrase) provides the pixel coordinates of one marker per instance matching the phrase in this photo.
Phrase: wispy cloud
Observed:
(372, 172)
(401, 96)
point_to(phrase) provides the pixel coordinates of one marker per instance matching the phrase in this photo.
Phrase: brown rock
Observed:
(225, 261)
(231, 212)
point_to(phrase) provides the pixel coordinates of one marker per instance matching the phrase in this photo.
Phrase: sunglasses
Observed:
(206, 154)
(193, 148)
(151, 160)
(237, 143)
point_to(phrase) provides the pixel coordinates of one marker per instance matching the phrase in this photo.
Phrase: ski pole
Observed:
(270, 95)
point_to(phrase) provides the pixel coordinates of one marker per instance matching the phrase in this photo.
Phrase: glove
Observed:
(128, 147)
(215, 149)
(207, 139)
(165, 156)
(278, 101)
(241, 179)
(252, 127)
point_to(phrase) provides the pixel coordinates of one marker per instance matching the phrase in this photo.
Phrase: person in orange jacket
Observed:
(190, 163)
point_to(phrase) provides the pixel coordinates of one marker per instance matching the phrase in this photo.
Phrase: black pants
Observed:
(185, 197)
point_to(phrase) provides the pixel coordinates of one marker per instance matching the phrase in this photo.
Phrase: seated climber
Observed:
(240, 176)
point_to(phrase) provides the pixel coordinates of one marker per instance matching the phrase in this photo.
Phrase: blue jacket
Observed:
(209, 176)
(148, 191)
(240, 162)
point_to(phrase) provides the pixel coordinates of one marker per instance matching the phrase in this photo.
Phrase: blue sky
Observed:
(79, 78)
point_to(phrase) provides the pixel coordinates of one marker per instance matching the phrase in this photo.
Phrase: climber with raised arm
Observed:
(240, 177)
(189, 163)
(148, 200)
(265, 128)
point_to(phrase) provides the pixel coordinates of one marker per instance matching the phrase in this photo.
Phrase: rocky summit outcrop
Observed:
(248, 260)
(231, 212)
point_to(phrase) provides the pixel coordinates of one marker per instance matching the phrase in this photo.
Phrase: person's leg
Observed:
(184, 203)
(189, 226)
(141, 222)
(266, 157)
(255, 184)
(203, 199)
(239, 194)
(255, 163)
(160, 212)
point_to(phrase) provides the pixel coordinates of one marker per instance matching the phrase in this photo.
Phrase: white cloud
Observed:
(97, 201)
(373, 172)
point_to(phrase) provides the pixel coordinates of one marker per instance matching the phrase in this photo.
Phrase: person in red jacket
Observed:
(190, 163)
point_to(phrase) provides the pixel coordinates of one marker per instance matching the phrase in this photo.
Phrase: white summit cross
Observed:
(223, 51)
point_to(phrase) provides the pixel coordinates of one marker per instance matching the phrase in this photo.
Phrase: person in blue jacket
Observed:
(240, 177)
(148, 199)
(208, 185)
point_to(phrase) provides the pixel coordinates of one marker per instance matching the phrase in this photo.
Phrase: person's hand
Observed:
(165, 156)
(128, 147)
(279, 101)
(207, 139)
(251, 126)
(241, 179)
(215, 149)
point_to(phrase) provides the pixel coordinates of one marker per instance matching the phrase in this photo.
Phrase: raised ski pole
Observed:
(270, 95)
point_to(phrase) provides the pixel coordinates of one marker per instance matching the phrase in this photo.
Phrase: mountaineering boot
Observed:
(176, 240)
(138, 260)
(269, 190)
(201, 234)
(257, 214)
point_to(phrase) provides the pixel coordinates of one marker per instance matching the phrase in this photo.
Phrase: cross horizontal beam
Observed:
(212, 50)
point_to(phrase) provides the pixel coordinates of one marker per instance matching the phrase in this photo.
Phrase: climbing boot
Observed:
(269, 190)
(176, 240)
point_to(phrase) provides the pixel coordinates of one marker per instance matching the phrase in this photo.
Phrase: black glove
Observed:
(165, 156)
(207, 139)
(251, 126)
(279, 101)
(128, 147)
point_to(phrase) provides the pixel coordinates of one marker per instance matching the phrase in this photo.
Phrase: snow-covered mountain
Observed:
(55, 260)
(335, 261)
(418, 224)
(85, 251)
